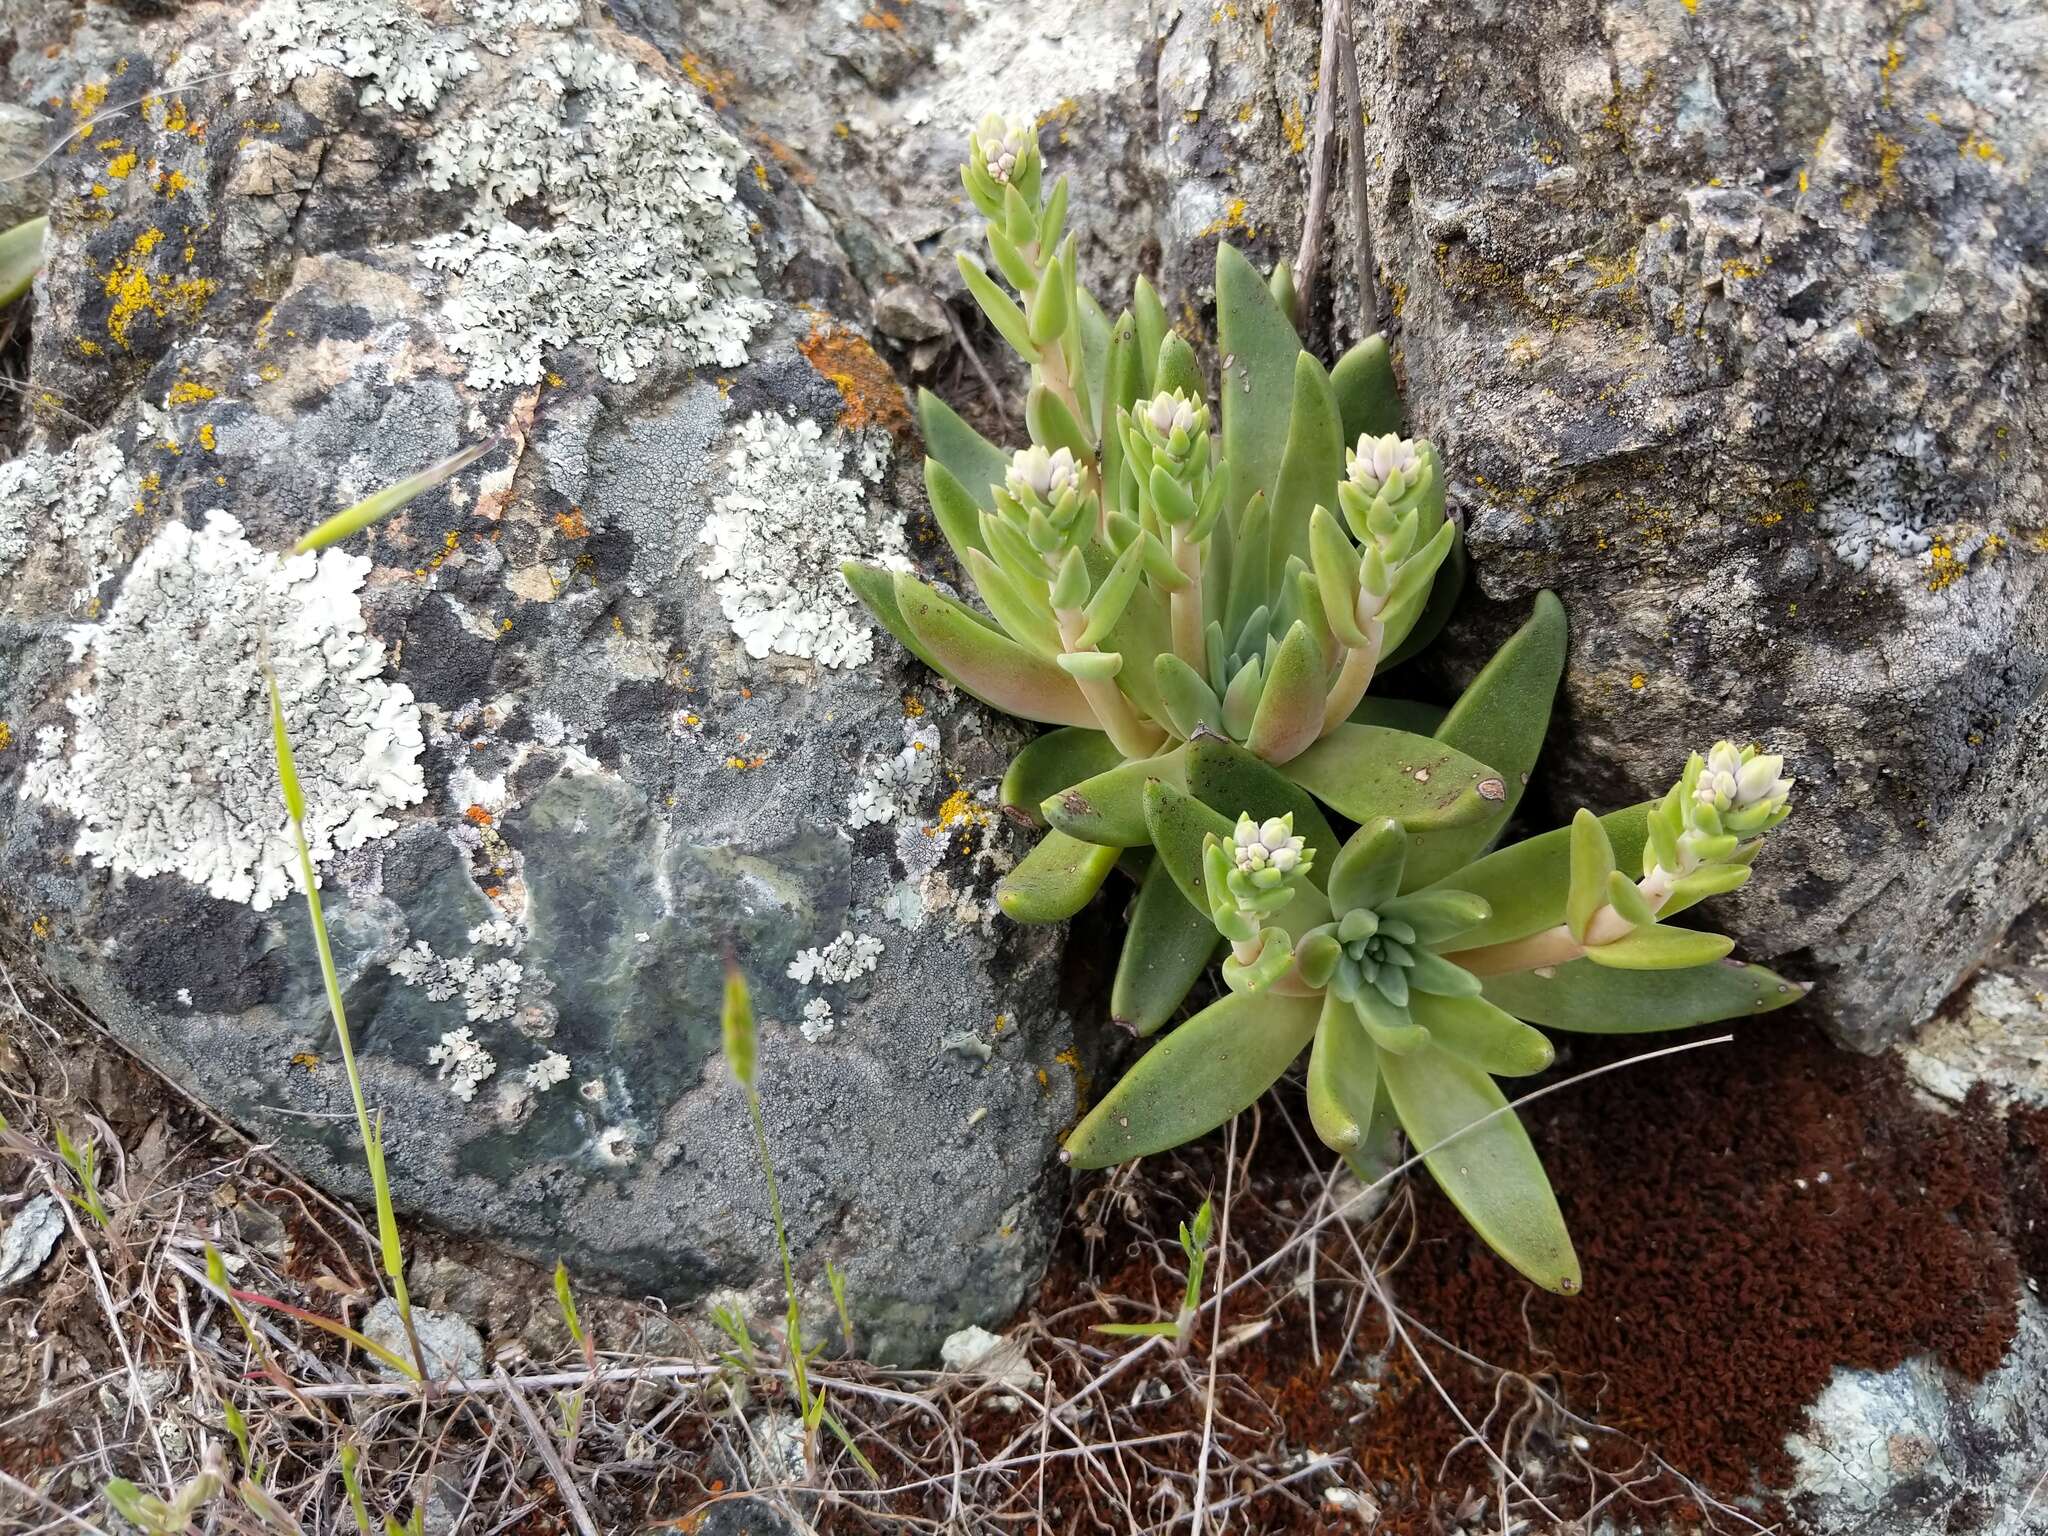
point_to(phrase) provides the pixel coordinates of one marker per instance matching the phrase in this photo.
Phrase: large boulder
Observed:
(574, 726)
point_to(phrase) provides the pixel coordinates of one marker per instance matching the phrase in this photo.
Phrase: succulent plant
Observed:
(1180, 592)
(1413, 986)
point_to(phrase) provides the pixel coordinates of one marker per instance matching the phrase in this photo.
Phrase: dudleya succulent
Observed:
(1154, 576)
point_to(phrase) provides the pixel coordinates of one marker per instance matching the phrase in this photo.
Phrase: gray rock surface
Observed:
(572, 725)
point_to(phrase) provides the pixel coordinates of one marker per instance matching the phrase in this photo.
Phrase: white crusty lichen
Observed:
(894, 787)
(817, 1024)
(461, 1062)
(790, 514)
(402, 60)
(644, 244)
(544, 1074)
(78, 499)
(491, 991)
(850, 955)
(171, 767)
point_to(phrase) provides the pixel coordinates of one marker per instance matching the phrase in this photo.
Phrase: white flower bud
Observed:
(1036, 475)
(1169, 413)
(1003, 143)
(1375, 460)
(1272, 845)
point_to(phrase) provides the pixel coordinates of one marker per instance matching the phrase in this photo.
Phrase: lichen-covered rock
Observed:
(570, 727)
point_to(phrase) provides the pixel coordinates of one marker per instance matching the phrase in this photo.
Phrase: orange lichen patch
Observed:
(881, 19)
(743, 764)
(135, 291)
(189, 392)
(787, 158)
(716, 84)
(171, 183)
(1071, 1060)
(913, 706)
(572, 524)
(307, 1060)
(866, 384)
(1294, 129)
(479, 816)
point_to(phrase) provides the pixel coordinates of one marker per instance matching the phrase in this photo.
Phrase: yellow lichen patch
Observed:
(206, 437)
(867, 386)
(1943, 566)
(960, 809)
(573, 524)
(1294, 129)
(1231, 221)
(41, 926)
(122, 165)
(1691, 6)
(715, 83)
(1976, 144)
(189, 392)
(744, 764)
(1740, 270)
(1071, 1060)
(170, 184)
(135, 291)
(1617, 272)
(1637, 680)
(1889, 153)
(6, 735)
(307, 1060)
(88, 346)
(1894, 56)
(913, 706)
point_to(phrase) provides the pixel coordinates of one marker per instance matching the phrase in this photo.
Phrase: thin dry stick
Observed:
(1354, 152)
(544, 1443)
(1215, 1335)
(9, 1480)
(1322, 160)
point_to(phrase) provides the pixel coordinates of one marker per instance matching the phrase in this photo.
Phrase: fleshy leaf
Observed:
(1524, 883)
(954, 506)
(1197, 1077)
(1055, 879)
(1312, 462)
(1392, 1028)
(1190, 702)
(876, 588)
(999, 307)
(1110, 807)
(1368, 397)
(1596, 1000)
(1290, 712)
(1178, 823)
(1487, 1166)
(1024, 614)
(1225, 776)
(1592, 863)
(1256, 384)
(1661, 949)
(1367, 771)
(1379, 1149)
(1500, 719)
(1168, 946)
(1483, 1034)
(1409, 715)
(1150, 315)
(1343, 1077)
(1367, 870)
(1047, 764)
(1436, 611)
(21, 257)
(1436, 915)
(989, 664)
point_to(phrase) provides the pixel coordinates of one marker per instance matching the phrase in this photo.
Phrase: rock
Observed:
(449, 1341)
(29, 1240)
(570, 726)
(1731, 334)
(999, 1361)
(909, 314)
(1913, 1452)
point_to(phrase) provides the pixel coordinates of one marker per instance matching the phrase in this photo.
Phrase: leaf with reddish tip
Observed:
(1597, 1000)
(1367, 771)
(1196, 1078)
(1168, 946)
(1054, 880)
(987, 663)
(1481, 1155)
(1289, 716)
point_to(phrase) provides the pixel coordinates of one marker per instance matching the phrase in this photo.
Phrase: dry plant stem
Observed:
(995, 395)
(1322, 161)
(1215, 1332)
(544, 1445)
(70, 1517)
(1354, 153)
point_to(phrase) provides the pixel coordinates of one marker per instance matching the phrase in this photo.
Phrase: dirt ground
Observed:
(1749, 1215)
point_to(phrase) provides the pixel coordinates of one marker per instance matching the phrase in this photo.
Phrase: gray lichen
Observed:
(402, 60)
(171, 769)
(79, 497)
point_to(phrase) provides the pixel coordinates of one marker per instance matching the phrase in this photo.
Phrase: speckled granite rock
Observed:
(573, 725)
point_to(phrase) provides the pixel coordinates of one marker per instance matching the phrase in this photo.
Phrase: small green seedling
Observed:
(1195, 1245)
(21, 257)
(83, 1161)
(167, 1517)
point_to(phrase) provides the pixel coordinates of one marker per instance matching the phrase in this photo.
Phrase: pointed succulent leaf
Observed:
(1595, 1000)
(1281, 286)
(975, 462)
(1093, 326)
(1241, 698)
(1091, 666)
(1432, 973)
(1410, 715)
(1170, 496)
(1145, 629)
(1049, 313)
(1166, 949)
(1367, 771)
(1289, 716)
(1179, 825)
(1055, 879)
(999, 307)
(1048, 764)
(1378, 1152)
(1436, 612)
(954, 506)
(1110, 807)
(1178, 369)
(1275, 959)
(988, 664)
(1336, 570)
(1592, 863)
(1392, 1028)
(1711, 880)
(1233, 781)
(1627, 900)
(1191, 704)
(1479, 1032)
(876, 588)
(1052, 424)
(1525, 883)
(1367, 869)
(1258, 348)
(1312, 462)
(1501, 720)
(1052, 222)
(1150, 315)
(1107, 606)
(1197, 1077)
(1367, 394)
(1410, 588)
(1343, 1077)
(1248, 590)
(1435, 915)
(1009, 260)
(1661, 948)
(21, 257)
(1025, 615)
(1480, 1154)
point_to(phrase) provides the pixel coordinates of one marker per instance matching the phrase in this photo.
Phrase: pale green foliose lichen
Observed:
(78, 499)
(402, 60)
